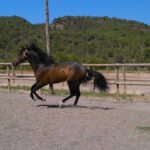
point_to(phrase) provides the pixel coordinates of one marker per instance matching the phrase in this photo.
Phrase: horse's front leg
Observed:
(32, 88)
(37, 86)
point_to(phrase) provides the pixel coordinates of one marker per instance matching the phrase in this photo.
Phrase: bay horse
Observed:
(46, 72)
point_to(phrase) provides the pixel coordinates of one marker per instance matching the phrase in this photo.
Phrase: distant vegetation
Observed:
(83, 39)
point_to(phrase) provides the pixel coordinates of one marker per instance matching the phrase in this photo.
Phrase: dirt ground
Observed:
(95, 124)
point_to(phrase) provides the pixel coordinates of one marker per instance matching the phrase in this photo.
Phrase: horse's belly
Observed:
(57, 76)
(53, 78)
(57, 79)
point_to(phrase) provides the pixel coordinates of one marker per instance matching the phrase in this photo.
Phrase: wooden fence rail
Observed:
(120, 77)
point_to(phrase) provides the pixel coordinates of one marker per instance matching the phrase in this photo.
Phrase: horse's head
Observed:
(22, 56)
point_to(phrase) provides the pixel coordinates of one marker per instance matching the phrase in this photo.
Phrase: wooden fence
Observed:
(120, 74)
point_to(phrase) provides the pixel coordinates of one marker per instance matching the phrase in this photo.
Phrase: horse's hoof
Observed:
(43, 99)
(61, 105)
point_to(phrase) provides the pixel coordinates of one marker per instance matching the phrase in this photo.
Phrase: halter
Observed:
(24, 54)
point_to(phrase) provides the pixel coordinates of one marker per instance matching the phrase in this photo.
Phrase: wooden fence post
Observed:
(21, 70)
(117, 83)
(14, 74)
(8, 73)
(138, 69)
(124, 80)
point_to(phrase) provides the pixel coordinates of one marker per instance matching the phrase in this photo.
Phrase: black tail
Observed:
(100, 81)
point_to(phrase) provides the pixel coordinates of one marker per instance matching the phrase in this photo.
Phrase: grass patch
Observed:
(16, 88)
(143, 128)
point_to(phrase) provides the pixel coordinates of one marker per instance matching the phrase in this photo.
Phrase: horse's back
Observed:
(70, 65)
(72, 70)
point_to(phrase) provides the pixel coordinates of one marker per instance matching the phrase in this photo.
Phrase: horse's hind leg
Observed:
(64, 100)
(77, 93)
(72, 93)
(77, 98)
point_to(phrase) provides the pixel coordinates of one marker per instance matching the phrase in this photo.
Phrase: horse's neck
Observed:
(34, 65)
(34, 62)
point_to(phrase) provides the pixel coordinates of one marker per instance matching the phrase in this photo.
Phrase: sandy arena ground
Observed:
(95, 124)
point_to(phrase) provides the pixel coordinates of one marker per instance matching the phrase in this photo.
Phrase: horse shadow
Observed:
(77, 107)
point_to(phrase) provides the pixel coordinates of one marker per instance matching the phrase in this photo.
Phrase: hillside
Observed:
(83, 39)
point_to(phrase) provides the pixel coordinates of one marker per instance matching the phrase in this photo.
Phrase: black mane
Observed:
(44, 58)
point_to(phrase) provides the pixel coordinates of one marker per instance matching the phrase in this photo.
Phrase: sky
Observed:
(34, 10)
